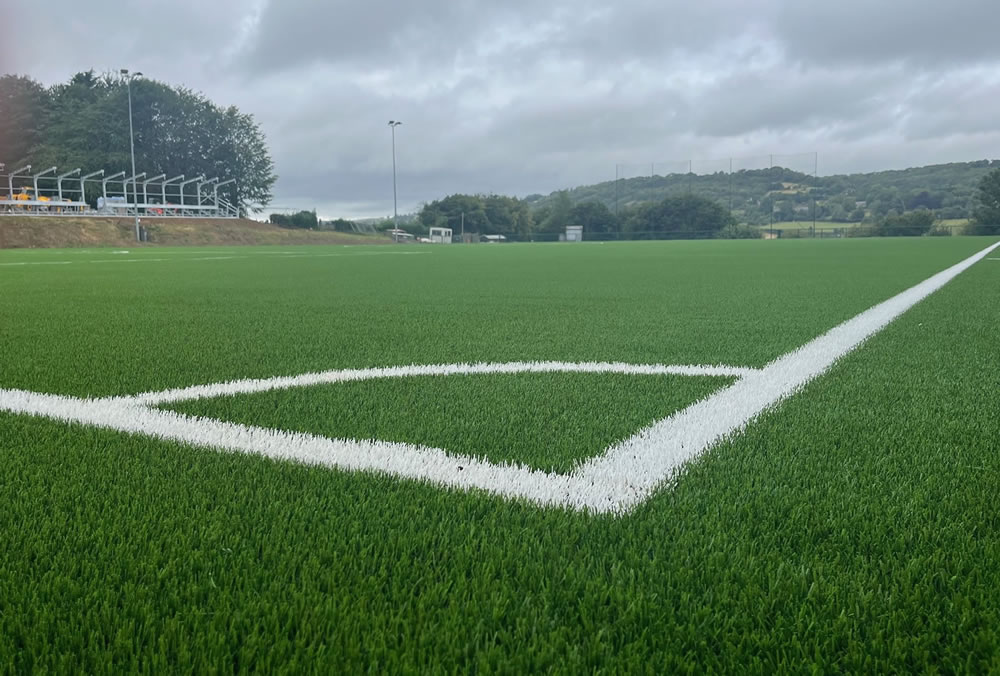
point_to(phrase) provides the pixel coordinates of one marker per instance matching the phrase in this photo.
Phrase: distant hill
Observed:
(948, 189)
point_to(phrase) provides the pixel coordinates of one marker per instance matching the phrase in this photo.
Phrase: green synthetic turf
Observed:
(549, 421)
(853, 528)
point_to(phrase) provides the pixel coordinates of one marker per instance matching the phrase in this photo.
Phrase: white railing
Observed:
(23, 193)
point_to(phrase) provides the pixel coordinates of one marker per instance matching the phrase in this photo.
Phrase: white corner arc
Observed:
(614, 482)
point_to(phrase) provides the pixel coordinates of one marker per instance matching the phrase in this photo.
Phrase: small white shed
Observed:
(440, 235)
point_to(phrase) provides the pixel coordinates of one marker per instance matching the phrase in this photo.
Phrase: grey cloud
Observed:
(927, 33)
(522, 97)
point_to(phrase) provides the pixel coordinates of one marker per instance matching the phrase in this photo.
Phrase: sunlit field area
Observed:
(648, 456)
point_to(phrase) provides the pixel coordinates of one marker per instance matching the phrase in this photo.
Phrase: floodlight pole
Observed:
(131, 140)
(395, 214)
(135, 199)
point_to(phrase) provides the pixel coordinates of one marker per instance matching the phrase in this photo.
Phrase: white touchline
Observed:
(614, 482)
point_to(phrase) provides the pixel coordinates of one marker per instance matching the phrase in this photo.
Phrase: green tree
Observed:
(559, 214)
(910, 224)
(303, 219)
(507, 215)
(454, 210)
(177, 131)
(986, 217)
(24, 108)
(594, 216)
(688, 215)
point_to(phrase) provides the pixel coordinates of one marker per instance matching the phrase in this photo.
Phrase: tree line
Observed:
(84, 123)
(684, 215)
(509, 216)
(779, 194)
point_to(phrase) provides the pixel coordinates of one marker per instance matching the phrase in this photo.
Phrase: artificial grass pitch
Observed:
(549, 421)
(850, 529)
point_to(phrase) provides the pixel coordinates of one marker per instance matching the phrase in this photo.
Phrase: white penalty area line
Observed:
(615, 482)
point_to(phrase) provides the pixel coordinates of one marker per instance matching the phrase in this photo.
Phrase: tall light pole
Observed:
(395, 214)
(131, 142)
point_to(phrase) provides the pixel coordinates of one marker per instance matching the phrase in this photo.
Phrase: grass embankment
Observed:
(65, 231)
(851, 529)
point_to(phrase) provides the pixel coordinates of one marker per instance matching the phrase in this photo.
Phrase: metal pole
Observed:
(186, 183)
(395, 208)
(34, 179)
(131, 142)
(10, 179)
(59, 181)
(167, 182)
(108, 179)
(690, 174)
(395, 213)
(145, 194)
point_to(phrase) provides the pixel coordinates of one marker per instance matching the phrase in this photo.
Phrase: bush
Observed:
(909, 224)
(863, 231)
(734, 231)
(304, 219)
(977, 228)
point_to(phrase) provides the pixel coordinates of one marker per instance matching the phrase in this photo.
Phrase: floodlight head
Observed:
(137, 74)
(394, 123)
(124, 71)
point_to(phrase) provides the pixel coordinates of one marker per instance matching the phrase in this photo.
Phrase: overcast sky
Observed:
(519, 97)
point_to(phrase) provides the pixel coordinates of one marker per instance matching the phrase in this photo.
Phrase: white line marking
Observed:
(210, 258)
(347, 375)
(40, 263)
(616, 482)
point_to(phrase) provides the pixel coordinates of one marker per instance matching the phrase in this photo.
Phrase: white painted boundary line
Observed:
(349, 375)
(615, 482)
